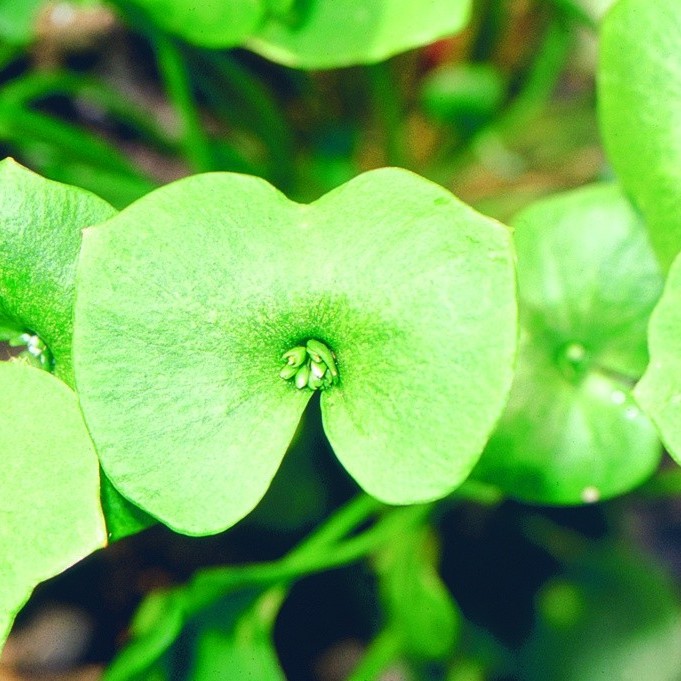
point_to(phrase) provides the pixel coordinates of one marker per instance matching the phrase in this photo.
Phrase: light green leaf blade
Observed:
(611, 615)
(427, 345)
(211, 23)
(49, 494)
(639, 85)
(40, 232)
(198, 289)
(325, 34)
(588, 281)
(659, 391)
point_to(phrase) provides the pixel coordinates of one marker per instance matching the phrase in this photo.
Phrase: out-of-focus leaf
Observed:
(419, 608)
(322, 34)
(612, 615)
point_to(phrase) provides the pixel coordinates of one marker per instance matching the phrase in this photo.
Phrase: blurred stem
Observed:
(7, 54)
(21, 125)
(32, 86)
(340, 524)
(575, 12)
(382, 651)
(175, 75)
(388, 108)
(539, 85)
(318, 554)
(663, 485)
(238, 97)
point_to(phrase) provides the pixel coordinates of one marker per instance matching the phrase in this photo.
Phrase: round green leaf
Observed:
(189, 297)
(332, 33)
(49, 495)
(587, 281)
(211, 23)
(659, 391)
(640, 111)
(611, 615)
(40, 232)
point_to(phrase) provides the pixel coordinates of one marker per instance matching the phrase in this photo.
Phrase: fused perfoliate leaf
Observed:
(49, 490)
(191, 299)
(588, 281)
(659, 391)
(40, 231)
(639, 86)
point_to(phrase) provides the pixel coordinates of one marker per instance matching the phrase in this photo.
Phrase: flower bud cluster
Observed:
(310, 366)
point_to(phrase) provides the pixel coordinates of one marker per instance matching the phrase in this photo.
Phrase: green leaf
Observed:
(18, 20)
(587, 281)
(242, 649)
(122, 518)
(40, 233)
(231, 633)
(659, 391)
(210, 23)
(640, 111)
(197, 290)
(419, 606)
(50, 516)
(310, 34)
(327, 34)
(611, 615)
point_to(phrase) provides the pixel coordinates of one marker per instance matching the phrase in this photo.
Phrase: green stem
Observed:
(312, 556)
(576, 13)
(389, 110)
(343, 521)
(382, 651)
(538, 88)
(24, 89)
(663, 485)
(178, 88)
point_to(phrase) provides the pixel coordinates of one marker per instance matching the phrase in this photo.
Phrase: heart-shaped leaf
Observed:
(49, 494)
(659, 391)
(588, 281)
(640, 110)
(189, 298)
(40, 231)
